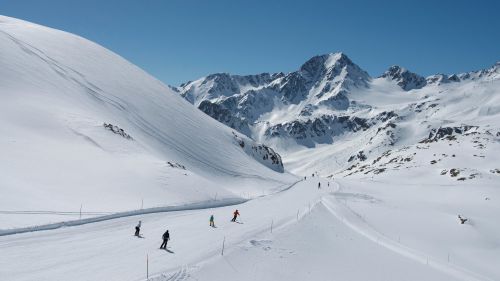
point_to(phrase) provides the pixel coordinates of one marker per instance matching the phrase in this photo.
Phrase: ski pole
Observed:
(223, 242)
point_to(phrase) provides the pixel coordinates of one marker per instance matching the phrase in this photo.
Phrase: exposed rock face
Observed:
(448, 133)
(439, 79)
(331, 100)
(240, 101)
(117, 130)
(360, 156)
(261, 153)
(324, 126)
(404, 78)
(223, 115)
(176, 165)
(490, 73)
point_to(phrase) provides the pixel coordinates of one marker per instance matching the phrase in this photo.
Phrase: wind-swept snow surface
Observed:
(83, 128)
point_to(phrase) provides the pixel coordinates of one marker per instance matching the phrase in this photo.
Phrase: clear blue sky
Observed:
(181, 40)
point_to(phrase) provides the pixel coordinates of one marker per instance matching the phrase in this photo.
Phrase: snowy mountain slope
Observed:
(362, 116)
(81, 125)
(243, 102)
(121, 256)
(404, 78)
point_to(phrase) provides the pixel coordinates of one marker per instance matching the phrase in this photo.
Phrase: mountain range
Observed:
(330, 100)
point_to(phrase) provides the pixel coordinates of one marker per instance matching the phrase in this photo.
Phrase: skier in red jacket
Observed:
(236, 214)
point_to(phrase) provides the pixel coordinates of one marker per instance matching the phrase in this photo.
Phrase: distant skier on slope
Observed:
(236, 214)
(462, 219)
(319, 185)
(212, 223)
(138, 229)
(166, 237)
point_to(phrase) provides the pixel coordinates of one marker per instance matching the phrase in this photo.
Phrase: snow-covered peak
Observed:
(438, 79)
(404, 78)
(329, 97)
(219, 85)
(318, 65)
(322, 83)
(487, 74)
(331, 65)
(492, 70)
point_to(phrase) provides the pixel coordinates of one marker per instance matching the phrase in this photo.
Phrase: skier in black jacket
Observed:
(138, 229)
(166, 237)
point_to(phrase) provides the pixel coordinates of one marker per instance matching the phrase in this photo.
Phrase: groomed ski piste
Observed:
(166, 164)
(318, 233)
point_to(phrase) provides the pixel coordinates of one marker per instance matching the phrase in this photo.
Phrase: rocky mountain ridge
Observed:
(331, 100)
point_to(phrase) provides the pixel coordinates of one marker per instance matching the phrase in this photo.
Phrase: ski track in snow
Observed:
(326, 197)
(354, 221)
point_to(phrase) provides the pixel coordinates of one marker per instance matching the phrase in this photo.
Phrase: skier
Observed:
(462, 219)
(212, 223)
(328, 183)
(236, 214)
(319, 185)
(166, 237)
(138, 229)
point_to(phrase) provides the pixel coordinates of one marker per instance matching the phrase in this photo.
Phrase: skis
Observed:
(168, 250)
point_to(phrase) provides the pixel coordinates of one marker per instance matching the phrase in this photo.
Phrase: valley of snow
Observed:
(396, 160)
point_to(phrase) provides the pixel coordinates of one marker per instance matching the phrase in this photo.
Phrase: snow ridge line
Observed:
(186, 207)
(353, 221)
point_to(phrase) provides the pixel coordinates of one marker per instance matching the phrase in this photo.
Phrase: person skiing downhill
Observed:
(166, 237)
(236, 214)
(138, 229)
(212, 223)
(319, 185)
